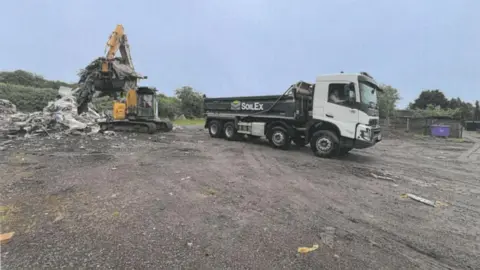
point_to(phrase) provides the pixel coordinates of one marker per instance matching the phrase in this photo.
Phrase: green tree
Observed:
(168, 106)
(464, 108)
(191, 101)
(430, 97)
(387, 101)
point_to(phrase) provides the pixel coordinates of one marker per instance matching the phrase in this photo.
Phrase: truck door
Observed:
(339, 111)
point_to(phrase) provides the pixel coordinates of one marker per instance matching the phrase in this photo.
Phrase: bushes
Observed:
(28, 91)
(186, 101)
(25, 78)
(168, 106)
(27, 98)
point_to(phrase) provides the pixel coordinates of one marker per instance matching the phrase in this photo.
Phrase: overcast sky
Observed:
(254, 47)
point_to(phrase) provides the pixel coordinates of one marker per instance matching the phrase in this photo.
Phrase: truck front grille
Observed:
(373, 122)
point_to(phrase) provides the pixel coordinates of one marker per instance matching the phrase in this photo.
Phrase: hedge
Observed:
(26, 98)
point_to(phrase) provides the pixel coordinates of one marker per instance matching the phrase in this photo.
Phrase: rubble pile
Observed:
(92, 72)
(7, 107)
(58, 116)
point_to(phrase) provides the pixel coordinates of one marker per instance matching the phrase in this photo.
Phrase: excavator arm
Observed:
(116, 76)
(118, 41)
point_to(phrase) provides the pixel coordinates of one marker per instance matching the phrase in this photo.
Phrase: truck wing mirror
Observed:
(351, 92)
(351, 96)
(351, 86)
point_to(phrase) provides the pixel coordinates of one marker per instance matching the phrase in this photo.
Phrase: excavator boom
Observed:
(118, 41)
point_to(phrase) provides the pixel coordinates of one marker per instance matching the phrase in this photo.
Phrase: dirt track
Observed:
(185, 201)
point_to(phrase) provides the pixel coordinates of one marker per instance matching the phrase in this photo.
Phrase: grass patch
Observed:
(209, 191)
(189, 122)
(457, 140)
(420, 136)
(6, 212)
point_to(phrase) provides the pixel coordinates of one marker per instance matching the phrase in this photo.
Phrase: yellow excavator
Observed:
(137, 111)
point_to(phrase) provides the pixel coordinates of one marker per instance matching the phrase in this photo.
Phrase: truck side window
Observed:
(336, 93)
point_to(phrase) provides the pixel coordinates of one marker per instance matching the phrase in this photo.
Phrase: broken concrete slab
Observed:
(7, 107)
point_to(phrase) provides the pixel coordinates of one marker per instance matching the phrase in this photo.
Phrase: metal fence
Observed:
(472, 125)
(420, 125)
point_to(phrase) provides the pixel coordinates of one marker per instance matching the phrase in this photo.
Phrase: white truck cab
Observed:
(354, 110)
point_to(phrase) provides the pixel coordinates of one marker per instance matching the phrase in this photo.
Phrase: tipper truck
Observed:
(335, 114)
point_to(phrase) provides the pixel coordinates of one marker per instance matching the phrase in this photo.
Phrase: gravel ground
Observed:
(182, 200)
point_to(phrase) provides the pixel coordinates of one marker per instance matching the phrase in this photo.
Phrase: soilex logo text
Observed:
(236, 105)
(256, 106)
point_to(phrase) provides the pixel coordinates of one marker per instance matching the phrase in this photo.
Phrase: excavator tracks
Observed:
(136, 126)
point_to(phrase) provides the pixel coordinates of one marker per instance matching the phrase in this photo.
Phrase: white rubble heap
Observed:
(58, 116)
(7, 107)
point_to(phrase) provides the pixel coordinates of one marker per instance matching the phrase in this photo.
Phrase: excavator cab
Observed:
(143, 106)
(139, 105)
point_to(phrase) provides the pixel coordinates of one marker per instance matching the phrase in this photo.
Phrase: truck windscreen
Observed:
(368, 94)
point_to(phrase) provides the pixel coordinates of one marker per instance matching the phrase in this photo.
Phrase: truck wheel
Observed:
(279, 138)
(324, 144)
(215, 129)
(229, 131)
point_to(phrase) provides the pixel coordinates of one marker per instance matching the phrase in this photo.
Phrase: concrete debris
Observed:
(181, 117)
(6, 142)
(383, 177)
(418, 199)
(109, 133)
(92, 72)
(328, 236)
(7, 107)
(58, 218)
(175, 127)
(58, 116)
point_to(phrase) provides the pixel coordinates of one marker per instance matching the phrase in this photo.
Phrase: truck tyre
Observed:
(324, 143)
(229, 131)
(279, 138)
(215, 129)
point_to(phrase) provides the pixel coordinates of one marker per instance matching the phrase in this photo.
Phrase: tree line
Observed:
(428, 103)
(32, 92)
